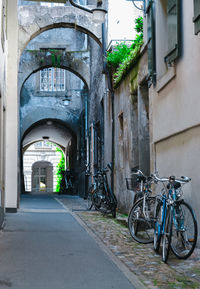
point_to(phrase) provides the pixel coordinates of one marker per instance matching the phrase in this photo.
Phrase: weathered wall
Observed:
(35, 19)
(131, 109)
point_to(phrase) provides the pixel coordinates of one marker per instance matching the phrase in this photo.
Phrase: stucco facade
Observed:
(175, 102)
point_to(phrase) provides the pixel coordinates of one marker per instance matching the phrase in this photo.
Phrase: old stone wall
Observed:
(131, 134)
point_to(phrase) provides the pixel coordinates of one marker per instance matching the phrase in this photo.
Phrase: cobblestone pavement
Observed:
(139, 259)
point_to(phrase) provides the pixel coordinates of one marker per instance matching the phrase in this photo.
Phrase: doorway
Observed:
(42, 177)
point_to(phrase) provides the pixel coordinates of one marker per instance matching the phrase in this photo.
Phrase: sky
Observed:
(121, 20)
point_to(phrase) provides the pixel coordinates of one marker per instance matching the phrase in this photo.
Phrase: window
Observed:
(52, 79)
(196, 18)
(151, 41)
(51, 4)
(80, 2)
(173, 19)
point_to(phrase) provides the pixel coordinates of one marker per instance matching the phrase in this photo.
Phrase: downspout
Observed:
(111, 90)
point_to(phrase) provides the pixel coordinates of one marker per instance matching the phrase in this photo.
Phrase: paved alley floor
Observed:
(43, 246)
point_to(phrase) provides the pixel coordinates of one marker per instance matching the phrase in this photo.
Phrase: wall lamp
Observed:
(98, 13)
(66, 100)
(134, 3)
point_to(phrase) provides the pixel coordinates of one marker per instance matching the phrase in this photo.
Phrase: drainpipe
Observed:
(87, 144)
(111, 90)
(110, 87)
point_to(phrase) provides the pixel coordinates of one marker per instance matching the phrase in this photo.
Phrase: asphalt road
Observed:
(44, 247)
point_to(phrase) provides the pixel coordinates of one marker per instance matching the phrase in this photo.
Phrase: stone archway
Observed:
(34, 20)
(42, 177)
(76, 66)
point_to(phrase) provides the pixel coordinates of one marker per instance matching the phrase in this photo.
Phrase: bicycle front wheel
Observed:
(97, 199)
(184, 234)
(158, 226)
(166, 237)
(141, 220)
(89, 198)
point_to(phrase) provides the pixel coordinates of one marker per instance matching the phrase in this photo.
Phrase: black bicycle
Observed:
(101, 196)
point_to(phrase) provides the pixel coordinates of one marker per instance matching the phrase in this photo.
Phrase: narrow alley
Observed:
(99, 144)
(44, 247)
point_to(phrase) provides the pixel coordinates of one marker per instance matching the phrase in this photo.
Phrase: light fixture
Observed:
(49, 122)
(98, 13)
(134, 3)
(66, 100)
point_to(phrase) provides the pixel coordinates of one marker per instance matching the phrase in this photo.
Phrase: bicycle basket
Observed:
(132, 184)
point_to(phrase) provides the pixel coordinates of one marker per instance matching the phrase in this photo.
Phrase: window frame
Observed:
(196, 17)
(51, 79)
(174, 51)
(150, 12)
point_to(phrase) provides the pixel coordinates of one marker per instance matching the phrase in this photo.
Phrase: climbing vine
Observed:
(123, 57)
(55, 55)
(60, 169)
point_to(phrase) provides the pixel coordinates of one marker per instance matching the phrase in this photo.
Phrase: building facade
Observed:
(173, 35)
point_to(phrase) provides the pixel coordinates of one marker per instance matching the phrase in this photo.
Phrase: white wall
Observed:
(33, 155)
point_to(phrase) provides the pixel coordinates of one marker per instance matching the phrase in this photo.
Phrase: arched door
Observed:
(42, 177)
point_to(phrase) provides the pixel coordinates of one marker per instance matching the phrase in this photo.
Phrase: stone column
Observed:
(11, 154)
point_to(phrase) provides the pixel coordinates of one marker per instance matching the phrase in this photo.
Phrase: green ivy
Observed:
(60, 169)
(123, 57)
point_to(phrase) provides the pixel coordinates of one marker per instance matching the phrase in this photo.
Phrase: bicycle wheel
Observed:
(158, 227)
(141, 220)
(166, 237)
(184, 234)
(97, 199)
(89, 198)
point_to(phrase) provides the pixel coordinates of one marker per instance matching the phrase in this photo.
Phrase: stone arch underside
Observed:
(34, 20)
(40, 113)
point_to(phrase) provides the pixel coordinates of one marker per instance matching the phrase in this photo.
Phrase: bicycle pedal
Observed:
(191, 240)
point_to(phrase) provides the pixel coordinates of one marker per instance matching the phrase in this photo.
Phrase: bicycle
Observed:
(171, 222)
(141, 217)
(92, 192)
(103, 198)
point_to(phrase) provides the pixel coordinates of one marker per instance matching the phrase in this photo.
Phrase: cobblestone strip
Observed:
(141, 259)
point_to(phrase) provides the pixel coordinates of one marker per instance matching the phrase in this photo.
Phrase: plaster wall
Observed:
(175, 106)
(3, 57)
(176, 103)
(179, 156)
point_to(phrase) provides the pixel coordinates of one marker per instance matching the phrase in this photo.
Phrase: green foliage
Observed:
(118, 55)
(139, 25)
(60, 169)
(123, 57)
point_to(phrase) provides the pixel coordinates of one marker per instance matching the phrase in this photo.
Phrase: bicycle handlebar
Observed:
(183, 179)
(138, 172)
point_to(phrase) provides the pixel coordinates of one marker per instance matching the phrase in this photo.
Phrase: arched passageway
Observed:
(39, 153)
